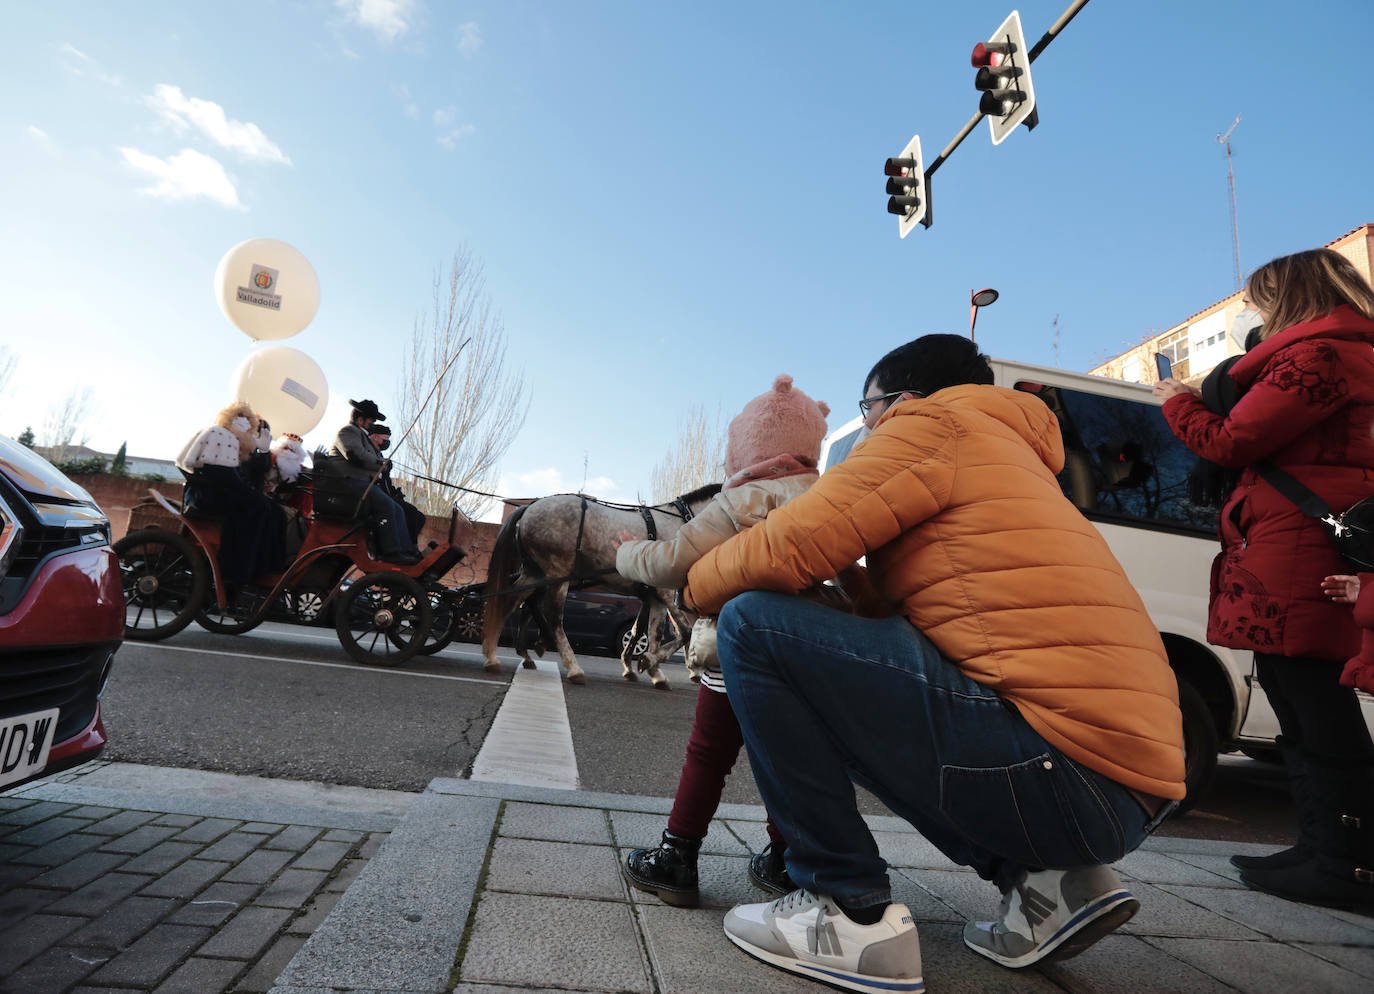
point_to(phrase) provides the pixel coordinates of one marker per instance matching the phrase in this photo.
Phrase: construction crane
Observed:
(1231, 184)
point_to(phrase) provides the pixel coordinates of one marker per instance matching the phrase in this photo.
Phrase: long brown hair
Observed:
(1307, 285)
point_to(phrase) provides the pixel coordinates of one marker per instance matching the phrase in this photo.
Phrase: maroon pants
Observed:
(712, 749)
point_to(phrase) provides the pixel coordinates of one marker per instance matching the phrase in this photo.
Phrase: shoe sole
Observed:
(1100, 918)
(767, 886)
(678, 898)
(831, 975)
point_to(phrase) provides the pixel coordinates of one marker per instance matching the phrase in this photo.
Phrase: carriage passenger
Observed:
(771, 455)
(216, 461)
(362, 464)
(415, 518)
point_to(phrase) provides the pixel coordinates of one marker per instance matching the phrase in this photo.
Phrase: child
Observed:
(770, 457)
(1345, 589)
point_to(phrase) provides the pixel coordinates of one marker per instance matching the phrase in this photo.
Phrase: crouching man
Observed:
(1003, 690)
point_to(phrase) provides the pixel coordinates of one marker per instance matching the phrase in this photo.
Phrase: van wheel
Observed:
(1199, 745)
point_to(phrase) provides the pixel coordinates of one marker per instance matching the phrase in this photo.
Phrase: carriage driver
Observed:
(415, 518)
(362, 464)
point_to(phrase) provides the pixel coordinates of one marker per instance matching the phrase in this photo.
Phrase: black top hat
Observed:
(366, 409)
(379, 430)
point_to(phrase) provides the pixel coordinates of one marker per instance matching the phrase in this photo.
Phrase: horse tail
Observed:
(503, 569)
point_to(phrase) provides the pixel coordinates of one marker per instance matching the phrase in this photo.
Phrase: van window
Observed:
(1122, 463)
(839, 447)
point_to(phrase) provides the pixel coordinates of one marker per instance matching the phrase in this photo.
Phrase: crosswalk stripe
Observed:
(530, 741)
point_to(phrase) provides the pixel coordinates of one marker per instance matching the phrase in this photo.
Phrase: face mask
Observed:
(386, 444)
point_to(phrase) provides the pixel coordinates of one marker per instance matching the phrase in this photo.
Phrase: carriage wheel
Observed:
(468, 619)
(240, 614)
(641, 644)
(164, 583)
(383, 619)
(443, 627)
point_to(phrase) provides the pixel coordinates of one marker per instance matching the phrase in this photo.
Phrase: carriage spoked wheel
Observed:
(444, 619)
(164, 582)
(241, 613)
(383, 619)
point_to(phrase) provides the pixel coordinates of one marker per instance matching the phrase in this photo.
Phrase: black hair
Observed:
(930, 363)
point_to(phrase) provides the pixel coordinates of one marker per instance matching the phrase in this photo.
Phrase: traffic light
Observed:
(906, 186)
(1004, 77)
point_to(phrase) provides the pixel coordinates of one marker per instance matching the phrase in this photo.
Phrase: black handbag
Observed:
(1352, 531)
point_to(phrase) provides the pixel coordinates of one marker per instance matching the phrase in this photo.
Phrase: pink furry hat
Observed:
(783, 421)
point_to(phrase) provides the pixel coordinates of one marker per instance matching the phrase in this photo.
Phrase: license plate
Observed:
(25, 741)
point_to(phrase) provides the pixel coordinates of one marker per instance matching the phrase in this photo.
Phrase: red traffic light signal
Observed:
(1004, 79)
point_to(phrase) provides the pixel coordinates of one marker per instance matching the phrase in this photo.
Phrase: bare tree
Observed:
(478, 407)
(698, 457)
(65, 423)
(8, 362)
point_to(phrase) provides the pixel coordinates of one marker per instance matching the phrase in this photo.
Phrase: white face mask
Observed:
(240, 423)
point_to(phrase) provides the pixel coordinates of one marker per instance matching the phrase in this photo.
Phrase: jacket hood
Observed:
(1342, 323)
(1024, 413)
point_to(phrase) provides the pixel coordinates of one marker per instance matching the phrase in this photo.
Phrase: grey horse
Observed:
(545, 546)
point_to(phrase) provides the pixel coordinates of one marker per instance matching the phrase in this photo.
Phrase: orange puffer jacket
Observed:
(953, 499)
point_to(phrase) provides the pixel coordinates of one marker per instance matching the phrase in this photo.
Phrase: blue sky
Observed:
(674, 202)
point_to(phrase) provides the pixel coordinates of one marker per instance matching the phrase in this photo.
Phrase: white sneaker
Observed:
(1053, 914)
(809, 935)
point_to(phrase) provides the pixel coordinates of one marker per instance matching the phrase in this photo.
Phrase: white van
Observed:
(1125, 470)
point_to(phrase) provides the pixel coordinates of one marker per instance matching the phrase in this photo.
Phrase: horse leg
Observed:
(491, 634)
(686, 628)
(553, 614)
(656, 652)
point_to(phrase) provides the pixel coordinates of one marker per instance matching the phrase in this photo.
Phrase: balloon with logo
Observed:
(267, 289)
(284, 386)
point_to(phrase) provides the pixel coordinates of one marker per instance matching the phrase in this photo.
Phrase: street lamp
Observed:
(977, 299)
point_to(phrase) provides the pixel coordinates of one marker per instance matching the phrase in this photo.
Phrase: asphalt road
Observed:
(284, 701)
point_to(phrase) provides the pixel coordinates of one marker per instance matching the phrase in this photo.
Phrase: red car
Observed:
(61, 618)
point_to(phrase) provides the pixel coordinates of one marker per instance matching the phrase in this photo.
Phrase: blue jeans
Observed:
(825, 698)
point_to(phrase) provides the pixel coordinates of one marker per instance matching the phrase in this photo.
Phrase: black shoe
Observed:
(670, 871)
(768, 870)
(1276, 860)
(405, 557)
(1321, 880)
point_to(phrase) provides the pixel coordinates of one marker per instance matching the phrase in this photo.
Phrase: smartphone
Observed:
(1164, 366)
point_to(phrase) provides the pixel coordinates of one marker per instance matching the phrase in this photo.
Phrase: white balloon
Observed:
(284, 385)
(267, 289)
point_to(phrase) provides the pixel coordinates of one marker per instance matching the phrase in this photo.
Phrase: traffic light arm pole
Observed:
(967, 129)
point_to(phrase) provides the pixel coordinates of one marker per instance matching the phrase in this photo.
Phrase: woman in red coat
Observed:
(1306, 406)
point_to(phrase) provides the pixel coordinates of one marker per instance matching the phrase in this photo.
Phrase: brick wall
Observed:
(117, 494)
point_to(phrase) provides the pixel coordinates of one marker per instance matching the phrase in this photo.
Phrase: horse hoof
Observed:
(629, 675)
(528, 664)
(492, 667)
(661, 685)
(577, 678)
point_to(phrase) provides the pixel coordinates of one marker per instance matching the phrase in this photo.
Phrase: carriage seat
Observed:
(189, 509)
(335, 496)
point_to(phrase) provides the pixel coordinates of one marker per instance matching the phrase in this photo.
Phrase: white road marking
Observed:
(318, 662)
(530, 740)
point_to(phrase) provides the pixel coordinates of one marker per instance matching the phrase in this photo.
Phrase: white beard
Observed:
(289, 458)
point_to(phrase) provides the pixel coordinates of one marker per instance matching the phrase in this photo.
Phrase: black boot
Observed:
(1341, 874)
(670, 871)
(1308, 816)
(768, 870)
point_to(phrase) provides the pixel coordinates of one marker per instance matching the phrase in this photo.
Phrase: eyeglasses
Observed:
(867, 403)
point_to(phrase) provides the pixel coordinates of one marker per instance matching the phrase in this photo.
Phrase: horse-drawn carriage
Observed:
(384, 614)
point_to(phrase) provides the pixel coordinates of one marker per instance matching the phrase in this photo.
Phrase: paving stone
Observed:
(1285, 920)
(373, 843)
(554, 822)
(269, 966)
(32, 814)
(140, 839)
(636, 830)
(58, 851)
(1163, 868)
(925, 906)
(162, 857)
(122, 924)
(233, 847)
(343, 835)
(949, 967)
(910, 849)
(962, 890)
(8, 804)
(117, 822)
(1126, 964)
(314, 913)
(207, 830)
(722, 882)
(347, 873)
(247, 934)
(1356, 959)
(1217, 863)
(186, 880)
(258, 868)
(94, 811)
(214, 904)
(297, 838)
(20, 902)
(99, 895)
(1261, 966)
(152, 957)
(585, 944)
(201, 976)
(24, 940)
(80, 871)
(528, 866)
(261, 827)
(322, 856)
(8, 852)
(54, 970)
(292, 888)
(180, 821)
(1163, 913)
(14, 874)
(45, 831)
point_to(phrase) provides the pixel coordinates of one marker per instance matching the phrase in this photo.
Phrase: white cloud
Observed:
(79, 63)
(208, 117)
(408, 105)
(387, 19)
(185, 176)
(40, 135)
(469, 38)
(449, 133)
